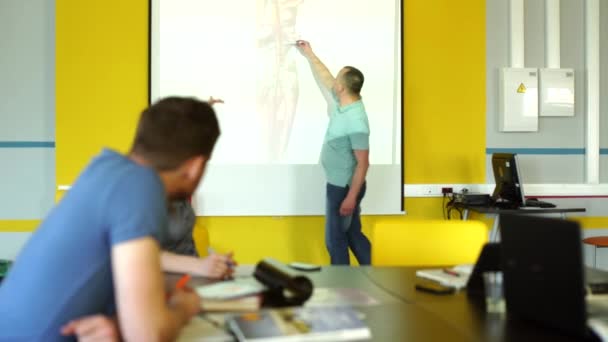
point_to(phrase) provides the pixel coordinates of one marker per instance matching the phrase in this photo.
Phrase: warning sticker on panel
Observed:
(521, 89)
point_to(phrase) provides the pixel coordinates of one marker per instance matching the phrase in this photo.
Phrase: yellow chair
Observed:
(427, 242)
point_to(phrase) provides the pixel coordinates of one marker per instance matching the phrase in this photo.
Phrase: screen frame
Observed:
(401, 19)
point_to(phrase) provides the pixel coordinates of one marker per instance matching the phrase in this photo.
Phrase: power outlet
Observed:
(440, 190)
(428, 191)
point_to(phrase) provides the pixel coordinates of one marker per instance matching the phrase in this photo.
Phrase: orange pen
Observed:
(182, 282)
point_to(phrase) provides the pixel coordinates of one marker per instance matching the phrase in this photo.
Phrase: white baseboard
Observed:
(541, 190)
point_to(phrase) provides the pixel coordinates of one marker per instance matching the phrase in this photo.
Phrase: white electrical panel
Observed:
(556, 92)
(518, 107)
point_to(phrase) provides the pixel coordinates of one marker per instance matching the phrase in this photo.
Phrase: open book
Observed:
(300, 324)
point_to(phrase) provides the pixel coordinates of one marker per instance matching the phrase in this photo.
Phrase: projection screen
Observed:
(274, 117)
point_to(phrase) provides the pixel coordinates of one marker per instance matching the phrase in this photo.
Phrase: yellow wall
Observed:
(445, 80)
(102, 85)
(14, 226)
(101, 78)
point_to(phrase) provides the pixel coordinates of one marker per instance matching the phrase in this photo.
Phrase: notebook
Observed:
(455, 277)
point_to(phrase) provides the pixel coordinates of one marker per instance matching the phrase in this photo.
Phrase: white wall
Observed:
(27, 114)
(11, 243)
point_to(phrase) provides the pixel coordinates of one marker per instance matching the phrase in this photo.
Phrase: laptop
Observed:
(544, 276)
(509, 189)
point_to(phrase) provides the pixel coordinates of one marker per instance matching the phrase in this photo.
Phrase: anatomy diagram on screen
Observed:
(277, 76)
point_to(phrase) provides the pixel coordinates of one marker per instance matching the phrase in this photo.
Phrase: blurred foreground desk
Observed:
(495, 212)
(404, 314)
(467, 318)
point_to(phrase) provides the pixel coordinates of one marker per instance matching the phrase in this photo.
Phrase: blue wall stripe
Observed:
(27, 144)
(489, 150)
(541, 151)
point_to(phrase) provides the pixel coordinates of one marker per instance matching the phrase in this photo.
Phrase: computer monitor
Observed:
(509, 190)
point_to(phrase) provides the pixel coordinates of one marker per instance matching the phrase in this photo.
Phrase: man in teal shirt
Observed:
(345, 159)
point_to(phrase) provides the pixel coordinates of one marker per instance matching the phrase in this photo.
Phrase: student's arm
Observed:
(143, 313)
(213, 266)
(349, 203)
(322, 75)
(93, 328)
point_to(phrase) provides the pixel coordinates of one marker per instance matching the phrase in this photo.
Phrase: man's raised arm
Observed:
(322, 75)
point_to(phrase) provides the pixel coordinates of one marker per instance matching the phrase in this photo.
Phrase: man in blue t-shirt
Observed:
(96, 255)
(345, 159)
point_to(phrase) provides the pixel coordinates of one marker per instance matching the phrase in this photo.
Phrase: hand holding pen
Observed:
(184, 298)
(219, 265)
(182, 283)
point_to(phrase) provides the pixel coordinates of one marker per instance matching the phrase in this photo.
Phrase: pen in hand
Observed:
(180, 285)
(229, 263)
(182, 282)
(184, 297)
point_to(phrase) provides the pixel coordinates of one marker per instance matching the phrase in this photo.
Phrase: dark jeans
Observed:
(342, 232)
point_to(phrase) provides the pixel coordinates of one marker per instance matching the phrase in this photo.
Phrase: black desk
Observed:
(404, 314)
(494, 211)
(459, 312)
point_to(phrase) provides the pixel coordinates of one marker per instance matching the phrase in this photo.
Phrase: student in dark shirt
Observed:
(180, 250)
(181, 227)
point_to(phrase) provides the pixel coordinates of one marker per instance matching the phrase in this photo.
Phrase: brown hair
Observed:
(174, 129)
(353, 80)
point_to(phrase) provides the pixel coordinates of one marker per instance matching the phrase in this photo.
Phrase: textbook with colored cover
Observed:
(300, 324)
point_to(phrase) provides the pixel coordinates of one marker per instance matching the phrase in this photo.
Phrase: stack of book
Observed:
(243, 294)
